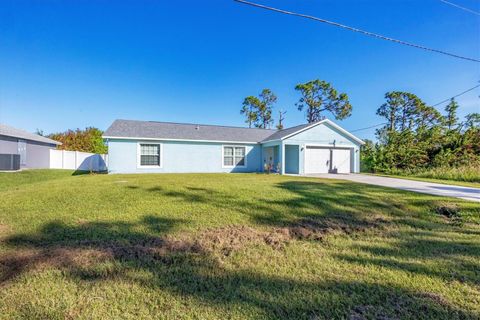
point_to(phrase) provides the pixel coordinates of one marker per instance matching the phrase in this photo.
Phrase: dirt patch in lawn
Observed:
(312, 229)
(15, 264)
(218, 242)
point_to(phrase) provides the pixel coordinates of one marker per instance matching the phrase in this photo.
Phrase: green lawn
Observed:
(238, 246)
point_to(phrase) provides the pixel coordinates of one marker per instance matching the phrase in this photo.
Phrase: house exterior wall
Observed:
(179, 156)
(37, 154)
(324, 135)
(8, 145)
(192, 156)
(292, 159)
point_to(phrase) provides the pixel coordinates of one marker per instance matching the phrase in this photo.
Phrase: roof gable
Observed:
(290, 132)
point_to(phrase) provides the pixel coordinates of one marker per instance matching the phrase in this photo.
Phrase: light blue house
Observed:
(154, 147)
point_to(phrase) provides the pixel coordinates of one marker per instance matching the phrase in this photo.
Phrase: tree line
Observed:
(316, 98)
(87, 140)
(415, 136)
(418, 137)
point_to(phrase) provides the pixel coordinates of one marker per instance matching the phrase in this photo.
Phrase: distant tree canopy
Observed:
(318, 96)
(258, 110)
(417, 136)
(88, 140)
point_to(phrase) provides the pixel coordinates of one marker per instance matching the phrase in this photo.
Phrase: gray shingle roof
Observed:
(285, 132)
(204, 132)
(22, 134)
(184, 131)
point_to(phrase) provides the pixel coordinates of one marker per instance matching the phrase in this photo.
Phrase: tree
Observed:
(425, 117)
(318, 96)
(88, 140)
(472, 121)
(451, 117)
(248, 109)
(405, 111)
(258, 110)
(417, 137)
(401, 110)
(281, 117)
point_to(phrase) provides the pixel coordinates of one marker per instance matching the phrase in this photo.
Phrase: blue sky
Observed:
(69, 64)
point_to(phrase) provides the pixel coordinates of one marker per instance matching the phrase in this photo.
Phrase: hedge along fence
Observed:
(76, 160)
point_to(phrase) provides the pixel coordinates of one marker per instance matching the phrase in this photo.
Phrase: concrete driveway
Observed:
(467, 193)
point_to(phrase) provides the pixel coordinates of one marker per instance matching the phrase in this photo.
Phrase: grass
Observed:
(469, 173)
(216, 246)
(15, 180)
(466, 175)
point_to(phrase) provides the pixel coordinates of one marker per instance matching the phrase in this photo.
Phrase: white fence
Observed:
(76, 160)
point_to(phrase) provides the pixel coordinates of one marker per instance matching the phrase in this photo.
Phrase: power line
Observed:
(371, 34)
(460, 7)
(377, 125)
(458, 95)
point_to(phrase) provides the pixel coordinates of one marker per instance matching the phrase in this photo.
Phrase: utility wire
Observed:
(460, 7)
(371, 34)
(446, 100)
(377, 125)
(458, 95)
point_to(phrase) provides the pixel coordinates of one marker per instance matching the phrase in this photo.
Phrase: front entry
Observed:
(327, 160)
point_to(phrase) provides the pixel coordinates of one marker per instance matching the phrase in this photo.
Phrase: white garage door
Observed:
(341, 160)
(317, 160)
(322, 160)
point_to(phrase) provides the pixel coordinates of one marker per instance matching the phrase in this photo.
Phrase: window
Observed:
(233, 156)
(149, 154)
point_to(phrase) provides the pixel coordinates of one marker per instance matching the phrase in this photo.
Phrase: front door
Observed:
(22, 151)
(269, 156)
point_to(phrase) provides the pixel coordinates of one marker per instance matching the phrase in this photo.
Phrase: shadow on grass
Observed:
(311, 210)
(308, 211)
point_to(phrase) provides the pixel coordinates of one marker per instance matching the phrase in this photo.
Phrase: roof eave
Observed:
(169, 139)
(267, 141)
(330, 122)
(48, 141)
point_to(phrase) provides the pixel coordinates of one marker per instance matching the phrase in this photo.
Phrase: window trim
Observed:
(234, 146)
(139, 165)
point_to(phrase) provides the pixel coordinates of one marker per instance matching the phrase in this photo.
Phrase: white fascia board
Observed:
(279, 140)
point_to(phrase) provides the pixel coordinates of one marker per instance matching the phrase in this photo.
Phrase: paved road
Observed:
(467, 193)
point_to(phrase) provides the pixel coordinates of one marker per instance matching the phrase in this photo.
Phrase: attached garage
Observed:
(328, 160)
(315, 148)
